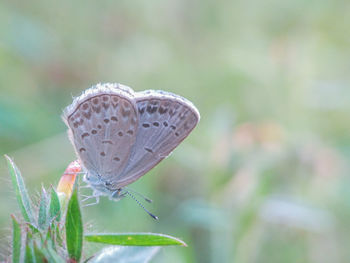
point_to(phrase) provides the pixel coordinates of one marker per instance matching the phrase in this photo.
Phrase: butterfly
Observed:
(119, 134)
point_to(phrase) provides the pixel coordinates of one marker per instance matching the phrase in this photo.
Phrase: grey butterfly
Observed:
(119, 135)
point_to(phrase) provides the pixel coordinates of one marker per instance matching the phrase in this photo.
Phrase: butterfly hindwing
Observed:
(165, 119)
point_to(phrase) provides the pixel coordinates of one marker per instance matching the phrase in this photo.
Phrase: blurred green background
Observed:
(263, 178)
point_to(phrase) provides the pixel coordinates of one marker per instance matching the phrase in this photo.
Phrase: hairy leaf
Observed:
(74, 228)
(16, 240)
(21, 192)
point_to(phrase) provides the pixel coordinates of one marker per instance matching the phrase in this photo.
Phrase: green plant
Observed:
(53, 230)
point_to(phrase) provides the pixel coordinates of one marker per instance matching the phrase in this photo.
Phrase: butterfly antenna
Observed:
(137, 201)
(139, 194)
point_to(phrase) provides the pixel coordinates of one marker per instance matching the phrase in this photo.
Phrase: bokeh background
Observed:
(263, 178)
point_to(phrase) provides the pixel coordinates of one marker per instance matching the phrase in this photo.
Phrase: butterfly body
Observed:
(119, 134)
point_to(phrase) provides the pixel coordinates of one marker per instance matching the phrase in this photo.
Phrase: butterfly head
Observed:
(117, 195)
(102, 188)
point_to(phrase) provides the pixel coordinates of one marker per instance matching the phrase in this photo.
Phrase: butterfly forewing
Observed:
(103, 124)
(165, 119)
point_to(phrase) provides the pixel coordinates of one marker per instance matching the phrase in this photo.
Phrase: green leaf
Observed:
(58, 236)
(117, 254)
(29, 250)
(50, 237)
(52, 255)
(74, 227)
(16, 240)
(39, 255)
(21, 191)
(55, 208)
(135, 239)
(42, 217)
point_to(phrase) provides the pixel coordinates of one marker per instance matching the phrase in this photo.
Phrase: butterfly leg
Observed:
(95, 195)
(87, 197)
(94, 203)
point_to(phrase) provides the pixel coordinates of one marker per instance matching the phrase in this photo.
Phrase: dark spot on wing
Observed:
(125, 112)
(148, 150)
(85, 134)
(162, 110)
(141, 110)
(151, 109)
(172, 112)
(97, 109)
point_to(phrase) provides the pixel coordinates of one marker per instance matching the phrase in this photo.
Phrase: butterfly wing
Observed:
(165, 120)
(102, 126)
